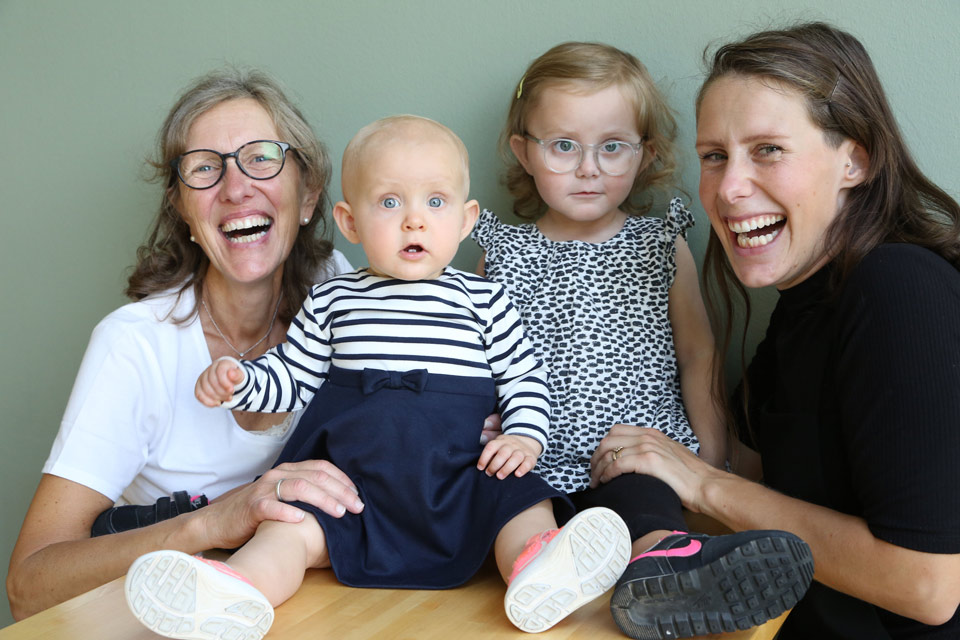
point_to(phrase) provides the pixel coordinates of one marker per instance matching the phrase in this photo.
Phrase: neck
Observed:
(242, 311)
(560, 228)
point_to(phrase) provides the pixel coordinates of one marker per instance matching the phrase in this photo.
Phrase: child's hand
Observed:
(217, 382)
(508, 454)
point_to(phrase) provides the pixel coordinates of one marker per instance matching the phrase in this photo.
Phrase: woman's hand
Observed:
(235, 516)
(632, 449)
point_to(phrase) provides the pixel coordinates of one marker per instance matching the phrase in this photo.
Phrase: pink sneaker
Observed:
(561, 570)
(181, 596)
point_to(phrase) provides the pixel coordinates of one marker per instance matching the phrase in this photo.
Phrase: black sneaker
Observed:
(134, 516)
(692, 584)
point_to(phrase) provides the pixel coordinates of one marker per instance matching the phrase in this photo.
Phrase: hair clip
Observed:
(520, 86)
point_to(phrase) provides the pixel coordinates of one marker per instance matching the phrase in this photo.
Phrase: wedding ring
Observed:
(277, 489)
(614, 455)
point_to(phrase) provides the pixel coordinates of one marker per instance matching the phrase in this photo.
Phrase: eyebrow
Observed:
(757, 137)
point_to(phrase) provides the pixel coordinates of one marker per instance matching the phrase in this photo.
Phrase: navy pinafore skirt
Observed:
(410, 442)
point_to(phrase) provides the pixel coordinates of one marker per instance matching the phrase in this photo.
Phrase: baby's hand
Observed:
(508, 454)
(217, 382)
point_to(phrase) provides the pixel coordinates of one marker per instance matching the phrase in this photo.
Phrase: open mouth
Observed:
(413, 249)
(757, 232)
(246, 229)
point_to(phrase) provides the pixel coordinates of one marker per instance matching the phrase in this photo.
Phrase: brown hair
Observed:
(600, 66)
(168, 258)
(833, 73)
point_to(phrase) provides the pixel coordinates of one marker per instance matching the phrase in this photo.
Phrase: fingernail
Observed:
(358, 505)
(487, 423)
(483, 438)
(341, 509)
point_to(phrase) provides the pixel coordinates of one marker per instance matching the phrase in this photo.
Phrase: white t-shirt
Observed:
(133, 429)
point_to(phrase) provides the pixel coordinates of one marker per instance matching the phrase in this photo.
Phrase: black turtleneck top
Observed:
(854, 400)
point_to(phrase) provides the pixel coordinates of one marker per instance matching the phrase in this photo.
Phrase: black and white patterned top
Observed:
(597, 316)
(458, 324)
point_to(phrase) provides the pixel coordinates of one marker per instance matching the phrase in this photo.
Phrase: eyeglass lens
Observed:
(260, 160)
(613, 158)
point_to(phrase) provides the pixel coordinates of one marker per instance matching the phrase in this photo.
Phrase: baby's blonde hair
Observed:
(393, 128)
(599, 66)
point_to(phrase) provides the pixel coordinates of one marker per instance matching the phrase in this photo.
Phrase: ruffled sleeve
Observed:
(677, 220)
(675, 223)
(484, 233)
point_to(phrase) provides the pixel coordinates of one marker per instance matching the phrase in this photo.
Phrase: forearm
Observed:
(61, 570)
(706, 419)
(847, 556)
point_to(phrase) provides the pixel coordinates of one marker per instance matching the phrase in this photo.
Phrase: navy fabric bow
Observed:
(373, 379)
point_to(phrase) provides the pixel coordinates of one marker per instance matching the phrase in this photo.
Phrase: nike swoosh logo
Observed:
(693, 547)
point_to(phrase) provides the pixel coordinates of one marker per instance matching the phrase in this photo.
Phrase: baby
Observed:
(396, 363)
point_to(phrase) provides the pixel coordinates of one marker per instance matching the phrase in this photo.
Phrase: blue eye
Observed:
(613, 147)
(390, 203)
(435, 202)
(562, 145)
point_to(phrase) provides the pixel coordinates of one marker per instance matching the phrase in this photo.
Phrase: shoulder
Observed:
(898, 272)
(901, 292)
(151, 316)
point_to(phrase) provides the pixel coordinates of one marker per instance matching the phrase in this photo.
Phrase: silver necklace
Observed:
(239, 353)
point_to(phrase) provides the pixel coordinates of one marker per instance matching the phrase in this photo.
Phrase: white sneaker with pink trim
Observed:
(181, 596)
(561, 570)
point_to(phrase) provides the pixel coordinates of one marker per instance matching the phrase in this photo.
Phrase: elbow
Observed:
(19, 601)
(938, 611)
(934, 602)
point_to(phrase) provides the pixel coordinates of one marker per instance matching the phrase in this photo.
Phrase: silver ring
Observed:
(277, 489)
(614, 455)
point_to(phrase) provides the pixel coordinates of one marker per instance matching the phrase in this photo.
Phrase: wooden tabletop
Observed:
(324, 609)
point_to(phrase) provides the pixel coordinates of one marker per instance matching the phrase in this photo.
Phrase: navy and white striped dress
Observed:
(399, 376)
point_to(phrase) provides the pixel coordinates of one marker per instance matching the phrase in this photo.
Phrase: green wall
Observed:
(84, 86)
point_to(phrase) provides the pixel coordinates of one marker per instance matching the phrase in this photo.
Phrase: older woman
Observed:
(853, 397)
(230, 258)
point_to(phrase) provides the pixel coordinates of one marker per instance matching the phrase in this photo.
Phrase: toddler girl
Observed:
(611, 301)
(397, 362)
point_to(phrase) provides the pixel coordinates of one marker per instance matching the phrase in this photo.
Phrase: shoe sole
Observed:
(748, 586)
(580, 564)
(179, 596)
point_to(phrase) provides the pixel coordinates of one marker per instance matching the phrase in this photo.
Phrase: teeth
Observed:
(758, 241)
(743, 226)
(245, 223)
(247, 238)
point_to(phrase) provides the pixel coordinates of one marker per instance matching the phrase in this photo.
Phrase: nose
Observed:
(588, 164)
(235, 185)
(737, 180)
(414, 220)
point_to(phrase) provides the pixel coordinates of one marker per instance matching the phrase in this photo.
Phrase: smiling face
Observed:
(769, 180)
(406, 202)
(584, 202)
(246, 227)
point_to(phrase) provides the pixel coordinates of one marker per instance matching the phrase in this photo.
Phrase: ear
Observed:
(518, 144)
(345, 222)
(857, 164)
(471, 210)
(308, 203)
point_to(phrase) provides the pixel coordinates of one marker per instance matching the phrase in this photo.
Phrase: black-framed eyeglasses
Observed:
(204, 168)
(563, 155)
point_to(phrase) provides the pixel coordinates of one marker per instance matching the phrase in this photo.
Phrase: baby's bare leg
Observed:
(279, 553)
(514, 535)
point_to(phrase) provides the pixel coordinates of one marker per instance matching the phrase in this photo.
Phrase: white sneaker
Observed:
(562, 570)
(182, 596)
